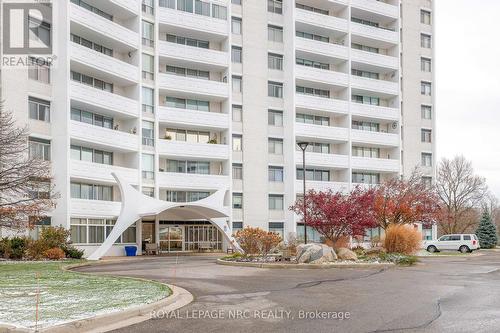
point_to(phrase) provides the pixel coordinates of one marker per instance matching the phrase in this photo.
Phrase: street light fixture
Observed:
(303, 147)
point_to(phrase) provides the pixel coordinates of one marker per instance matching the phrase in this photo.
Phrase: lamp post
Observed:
(303, 147)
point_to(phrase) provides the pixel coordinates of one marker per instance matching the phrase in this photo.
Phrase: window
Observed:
(237, 142)
(366, 178)
(185, 196)
(276, 202)
(275, 6)
(275, 118)
(190, 104)
(187, 41)
(148, 7)
(148, 34)
(219, 12)
(316, 147)
(425, 41)
(167, 3)
(277, 228)
(275, 146)
(90, 81)
(180, 71)
(313, 91)
(275, 174)
(311, 119)
(148, 67)
(39, 149)
(238, 200)
(236, 83)
(237, 226)
(426, 111)
(237, 171)
(365, 48)
(275, 89)
(91, 192)
(38, 70)
(91, 45)
(188, 136)
(370, 75)
(39, 109)
(91, 155)
(314, 174)
(93, 9)
(148, 133)
(366, 100)
(274, 34)
(39, 31)
(425, 65)
(312, 9)
(312, 36)
(237, 113)
(194, 167)
(148, 100)
(91, 118)
(185, 5)
(275, 61)
(366, 126)
(366, 152)
(236, 2)
(426, 135)
(97, 231)
(425, 17)
(427, 159)
(148, 166)
(425, 88)
(236, 54)
(311, 63)
(202, 8)
(236, 25)
(149, 191)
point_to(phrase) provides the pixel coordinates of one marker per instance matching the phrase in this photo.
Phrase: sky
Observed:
(468, 84)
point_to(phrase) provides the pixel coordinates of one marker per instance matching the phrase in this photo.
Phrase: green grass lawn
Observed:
(66, 296)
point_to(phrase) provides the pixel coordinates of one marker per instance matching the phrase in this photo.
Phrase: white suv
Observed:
(459, 242)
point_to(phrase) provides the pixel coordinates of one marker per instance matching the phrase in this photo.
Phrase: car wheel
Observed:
(464, 249)
(432, 249)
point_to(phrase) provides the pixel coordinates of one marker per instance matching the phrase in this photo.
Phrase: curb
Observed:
(302, 266)
(452, 256)
(110, 321)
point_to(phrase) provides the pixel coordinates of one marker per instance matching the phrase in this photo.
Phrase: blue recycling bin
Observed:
(131, 251)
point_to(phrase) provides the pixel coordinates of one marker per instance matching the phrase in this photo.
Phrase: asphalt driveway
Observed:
(449, 294)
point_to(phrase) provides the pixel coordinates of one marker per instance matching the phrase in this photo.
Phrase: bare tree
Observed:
(492, 206)
(26, 189)
(461, 193)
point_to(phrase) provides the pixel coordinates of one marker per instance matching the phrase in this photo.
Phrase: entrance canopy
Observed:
(136, 205)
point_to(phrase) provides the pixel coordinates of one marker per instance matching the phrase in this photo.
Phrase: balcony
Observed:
(95, 208)
(375, 138)
(331, 161)
(376, 33)
(375, 164)
(382, 86)
(121, 71)
(130, 5)
(319, 132)
(321, 76)
(104, 137)
(193, 118)
(320, 186)
(189, 150)
(103, 100)
(204, 26)
(321, 48)
(320, 20)
(214, 58)
(377, 7)
(374, 59)
(308, 102)
(191, 87)
(188, 181)
(105, 27)
(101, 172)
(375, 112)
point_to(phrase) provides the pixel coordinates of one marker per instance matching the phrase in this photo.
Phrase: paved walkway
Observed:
(439, 295)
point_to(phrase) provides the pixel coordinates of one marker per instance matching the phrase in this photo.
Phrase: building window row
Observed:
(180, 71)
(186, 196)
(365, 126)
(91, 45)
(95, 231)
(93, 9)
(91, 191)
(365, 100)
(39, 149)
(196, 7)
(275, 118)
(91, 81)
(275, 61)
(91, 118)
(39, 109)
(312, 63)
(39, 70)
(311, 9)
(369, 152)
(275, 174)
(308, 35)
(189, 104)
(312, 119)
(194, 167)
(313, 174)
(365, 48)
(366, 178)
(313, 91)
(367, 74)
(275, 6)
(187, 135)
(91, 155)
(187, 41)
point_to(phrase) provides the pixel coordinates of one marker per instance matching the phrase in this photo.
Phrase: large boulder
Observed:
(315, 253)
(346, 254)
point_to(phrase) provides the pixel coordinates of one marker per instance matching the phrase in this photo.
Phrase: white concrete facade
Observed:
(232, 87)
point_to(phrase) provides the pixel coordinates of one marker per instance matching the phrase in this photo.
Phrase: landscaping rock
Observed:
(315, 254)
(346, 254)
(375, 251)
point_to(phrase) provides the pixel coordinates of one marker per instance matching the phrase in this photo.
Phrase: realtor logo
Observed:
(27, 28)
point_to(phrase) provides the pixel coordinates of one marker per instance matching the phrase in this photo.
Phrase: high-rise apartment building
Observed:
(186, 97)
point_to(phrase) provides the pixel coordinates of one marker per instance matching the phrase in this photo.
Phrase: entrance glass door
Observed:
(171, 238)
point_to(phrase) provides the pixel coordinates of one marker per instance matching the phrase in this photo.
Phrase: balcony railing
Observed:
(377, 33)
(375, 164)
(308, 102)
(374, 111)
(321, 186)
(218, 59)
(101, 172)
(375, 59)
(375, 138)
(321, 48)
(205, 25)
(321, 132)
(320, 20)
(321, 75)
(103, 136)
(95, 208)
(199, 151)
(386, 87)
(193, 118)
(214, 90)
(377, 7)
(189, 181)
(322, 160)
